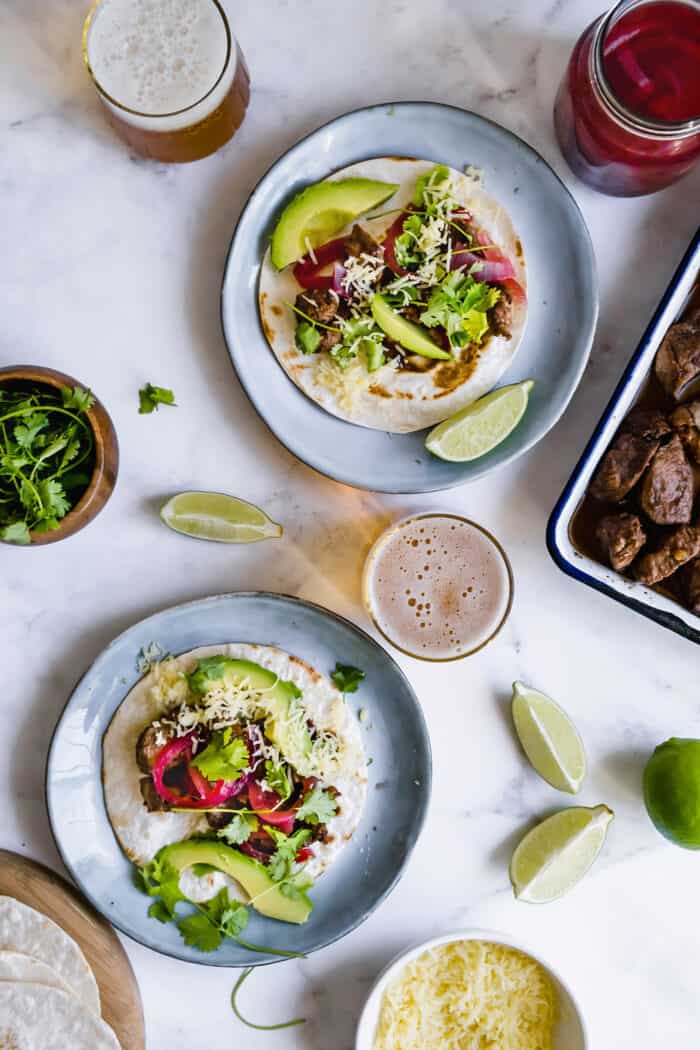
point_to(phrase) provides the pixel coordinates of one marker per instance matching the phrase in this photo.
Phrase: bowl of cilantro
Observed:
(58, 456)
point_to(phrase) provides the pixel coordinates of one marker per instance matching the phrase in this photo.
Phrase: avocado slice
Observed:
(411, 336)
(320, 211)
(251, 875)
(293, 740)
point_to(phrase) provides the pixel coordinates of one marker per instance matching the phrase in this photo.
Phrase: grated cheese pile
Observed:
(468, 995)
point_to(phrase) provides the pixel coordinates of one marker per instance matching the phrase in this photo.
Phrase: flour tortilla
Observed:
(27, 931)
(14, 966)
(396, 401)
(141, 834)
(35, 1017)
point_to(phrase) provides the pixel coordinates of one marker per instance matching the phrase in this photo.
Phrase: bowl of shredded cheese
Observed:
(470, 990)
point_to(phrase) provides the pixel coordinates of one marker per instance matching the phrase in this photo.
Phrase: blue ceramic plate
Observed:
(561, 284)
(399, 775)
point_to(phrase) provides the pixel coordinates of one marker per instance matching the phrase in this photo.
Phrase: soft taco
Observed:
(241, 768)
(405, 315)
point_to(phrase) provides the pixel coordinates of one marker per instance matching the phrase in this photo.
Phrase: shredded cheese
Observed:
(468, 995)
(362, 273)
(227, 702)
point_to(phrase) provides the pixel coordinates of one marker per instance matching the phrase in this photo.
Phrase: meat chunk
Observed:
(686, 422)
(629, 455)
(677, 549)
(677, 361)
(667, 492)
(359, 242)
(621, 538)
(691, 585)
(151, 799)
(151, 743)
(320, 304)
(649, 423)
(500, 316)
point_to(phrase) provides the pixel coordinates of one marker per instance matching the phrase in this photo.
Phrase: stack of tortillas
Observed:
(49, 998)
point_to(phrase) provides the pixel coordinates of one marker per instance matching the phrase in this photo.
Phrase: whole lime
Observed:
(672, 791)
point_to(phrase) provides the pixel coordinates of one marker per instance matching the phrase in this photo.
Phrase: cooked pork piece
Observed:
(649, 423)
(691, 585)
(151, 742)
(151, 799)
(629, 455)
(686, 421)
(621, 537)
(677, 361)
(501, 316)
(359, 242)
(677, 549)
(320, 304)
(667, 491)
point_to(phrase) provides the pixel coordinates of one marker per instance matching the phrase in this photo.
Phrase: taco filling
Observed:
(246, 777)
(413, 312)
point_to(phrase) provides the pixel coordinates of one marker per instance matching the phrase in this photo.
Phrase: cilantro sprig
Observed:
(239, 829)
(318, 807)
(206, 927)
(151, 396)
(347, 677)
(259, 1027)
(224, 758)
(46, 457)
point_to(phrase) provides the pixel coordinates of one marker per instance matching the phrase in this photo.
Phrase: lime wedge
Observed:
(215, 516)
(558, 852)
(477, 429)
(549, 739)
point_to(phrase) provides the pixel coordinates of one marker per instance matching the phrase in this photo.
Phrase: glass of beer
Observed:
(437, 586)
(169, 73)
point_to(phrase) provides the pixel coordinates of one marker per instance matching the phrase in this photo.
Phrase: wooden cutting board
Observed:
(40, 888)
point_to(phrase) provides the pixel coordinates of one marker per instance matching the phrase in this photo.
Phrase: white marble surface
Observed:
(110, 269)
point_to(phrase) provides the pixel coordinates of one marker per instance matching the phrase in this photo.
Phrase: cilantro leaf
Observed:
(199, 932)
(224, 758)
(283, 864)
(208, 670)
(53, 498)
(240, 828)
(151, 396)
(25, 433)
(161, 879)
(158, 910)
(17, 532)
(278, 779)
(295, 887)
(318, 807)
(460, 306)
(77, 398)
(234, 919)
(347, 678)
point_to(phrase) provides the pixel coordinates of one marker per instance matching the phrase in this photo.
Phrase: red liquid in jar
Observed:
(651, 62)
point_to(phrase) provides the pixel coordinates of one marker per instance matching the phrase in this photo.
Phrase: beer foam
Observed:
(159, 56)
(437, 586)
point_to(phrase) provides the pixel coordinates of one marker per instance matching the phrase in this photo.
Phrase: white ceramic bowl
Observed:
(570, 1030)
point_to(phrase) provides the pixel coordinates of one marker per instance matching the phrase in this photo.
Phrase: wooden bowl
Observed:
(104, 475)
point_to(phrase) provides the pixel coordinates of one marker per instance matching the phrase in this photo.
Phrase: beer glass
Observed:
(169, 73)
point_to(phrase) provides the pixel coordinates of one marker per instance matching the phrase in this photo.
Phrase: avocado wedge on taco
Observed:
(404, 315)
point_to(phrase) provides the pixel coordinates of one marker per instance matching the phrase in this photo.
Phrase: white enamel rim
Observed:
(364, 1038)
